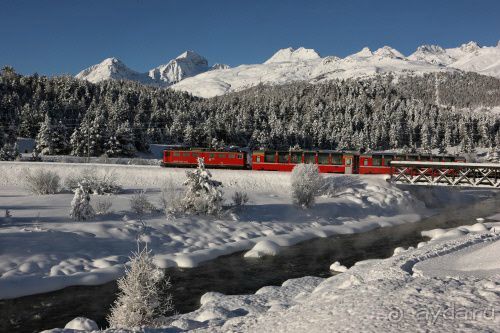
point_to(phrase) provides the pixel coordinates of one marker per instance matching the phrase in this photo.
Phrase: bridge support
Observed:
(445, 173)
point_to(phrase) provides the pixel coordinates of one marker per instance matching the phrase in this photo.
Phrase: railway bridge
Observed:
(445, 173)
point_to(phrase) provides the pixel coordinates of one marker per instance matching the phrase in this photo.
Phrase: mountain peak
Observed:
(291, 55)
(469, 47)
(191, 55)
(389, 52)
(185, 65)
(364, 53)
(430, 49)
(111, 69)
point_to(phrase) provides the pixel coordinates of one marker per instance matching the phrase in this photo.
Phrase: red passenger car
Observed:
(212, 158)
(327, 161)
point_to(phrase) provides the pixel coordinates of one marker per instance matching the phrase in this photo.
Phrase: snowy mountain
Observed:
(112, 69)
(191, 72)
(185, 65)
(288, 65)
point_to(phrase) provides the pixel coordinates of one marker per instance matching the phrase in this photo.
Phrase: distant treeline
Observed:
(70, 116)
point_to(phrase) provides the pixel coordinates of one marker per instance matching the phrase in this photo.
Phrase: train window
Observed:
(387, 160)
(212, 155)
(309, 157)
(269, 157)
(258, 159)
(283, 157)
(195, 154)
(348, 161)
(365, 161)
(231, 155)
(177, 154)
(323, 158)
(185, 154)
(296, 157)
(337, 159)
(240, 156)
(222, 155)
(377, 160)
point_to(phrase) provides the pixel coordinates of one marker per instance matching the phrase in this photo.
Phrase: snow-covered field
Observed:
(42, 249)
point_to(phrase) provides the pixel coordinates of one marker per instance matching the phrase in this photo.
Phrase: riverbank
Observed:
(450, 284)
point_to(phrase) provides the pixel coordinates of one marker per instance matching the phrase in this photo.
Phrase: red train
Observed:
(328, 161)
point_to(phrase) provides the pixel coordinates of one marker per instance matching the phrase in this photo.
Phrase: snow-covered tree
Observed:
(203, 194)
(305, 182)
(121, 142)
(52, 138)
(9, 152)
(81, 210)
(142, 299)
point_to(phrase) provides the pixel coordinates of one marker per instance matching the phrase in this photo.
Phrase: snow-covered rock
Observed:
(82, 324)
(337, 267)
(263, 248)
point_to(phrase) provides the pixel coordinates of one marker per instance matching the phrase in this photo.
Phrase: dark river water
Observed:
(234, 274)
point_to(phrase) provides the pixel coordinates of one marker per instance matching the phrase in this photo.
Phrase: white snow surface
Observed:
(42, 249)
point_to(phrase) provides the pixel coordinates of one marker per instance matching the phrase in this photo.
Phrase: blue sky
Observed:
(64, 36)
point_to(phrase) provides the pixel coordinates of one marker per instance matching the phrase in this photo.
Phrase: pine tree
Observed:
(203, 194)
(81, 210)
(9, 152)
(142, 299)
(121, 143)
(52, 139)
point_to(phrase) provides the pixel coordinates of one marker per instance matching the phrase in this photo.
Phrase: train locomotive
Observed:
(328, 161)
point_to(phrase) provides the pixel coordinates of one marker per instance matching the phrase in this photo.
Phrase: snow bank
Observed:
(263, 248)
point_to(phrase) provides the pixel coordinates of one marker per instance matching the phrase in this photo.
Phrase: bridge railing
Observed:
(445, 173)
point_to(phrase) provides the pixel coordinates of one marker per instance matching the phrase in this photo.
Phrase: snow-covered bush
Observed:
(240, 198)
(102, 205)
(143, 298)
(140, 204)
(81, 210)
(42, 182)
(203, 194)
(95, 183)
(306, 182)
(170, 198)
